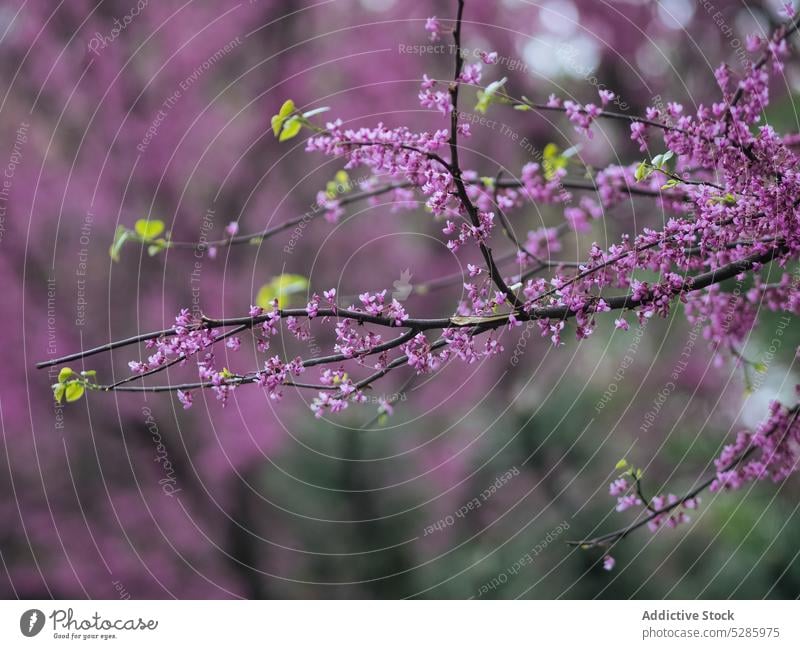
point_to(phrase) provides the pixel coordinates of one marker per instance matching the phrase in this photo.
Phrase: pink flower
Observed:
(618, 487)
(433, 26)
(137, 367)
(471, 73)
(553, 102)
(621, 323)
(232, 228)
(752, 42)
(489, 58)
(638, 135)
(312, 308)
(185, 398)
(608, 563)
(605, 97)
(626, 502)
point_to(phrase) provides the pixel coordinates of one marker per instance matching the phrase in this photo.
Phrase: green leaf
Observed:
(74, 391)
(64, 374)
(522, 107)
(660, 160)
(148, 229)
(277, 120)
(58, 391)
(672, 182)
(339, 185)
(157, 246)
(121, 235)
(277, 123)
(622, 464)
(728, 199)
(553, 160)
(761, 368)
(286, 109)
(290, 129)
(643, 171)
(281, 288)
(342, 178)
(88, 373)
(487, 96)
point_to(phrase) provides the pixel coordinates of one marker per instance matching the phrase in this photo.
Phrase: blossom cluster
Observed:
(729, 193)
(771, 452)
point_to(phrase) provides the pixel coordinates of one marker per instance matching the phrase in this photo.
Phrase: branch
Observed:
(455, 169)
(614, 537)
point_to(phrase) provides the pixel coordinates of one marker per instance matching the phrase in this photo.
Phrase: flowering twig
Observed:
(612, 538)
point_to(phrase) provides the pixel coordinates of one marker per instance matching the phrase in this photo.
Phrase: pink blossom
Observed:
(433, 26)
(185, 398)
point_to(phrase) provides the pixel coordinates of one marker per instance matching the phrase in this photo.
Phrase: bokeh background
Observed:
(267, 500)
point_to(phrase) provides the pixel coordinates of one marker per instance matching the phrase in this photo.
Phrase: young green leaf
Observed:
(487, 96)
(643, 171)
(281, 288)
(58, 391)
(64, 374)
(291, 128)
(283, 114)
(553, 160)
(74, 391)
(148, 229)
(121, 235)
(157, 246)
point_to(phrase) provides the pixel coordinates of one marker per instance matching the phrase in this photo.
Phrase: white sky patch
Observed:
(539, 55)
(553, 57)
(778, 385)
(559, 16)
(675, 14)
